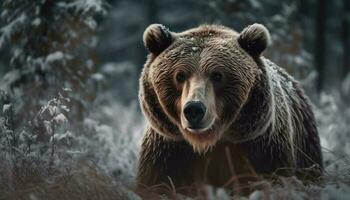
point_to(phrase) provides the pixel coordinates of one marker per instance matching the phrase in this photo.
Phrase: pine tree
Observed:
(52, 47)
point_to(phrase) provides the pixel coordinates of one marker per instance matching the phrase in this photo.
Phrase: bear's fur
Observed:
(262, 120)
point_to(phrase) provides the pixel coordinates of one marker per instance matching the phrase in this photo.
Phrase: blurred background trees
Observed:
(47, 52)
(48, 46)
(309, 37)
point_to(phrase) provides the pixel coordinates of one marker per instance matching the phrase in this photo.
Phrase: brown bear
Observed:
(218, 109)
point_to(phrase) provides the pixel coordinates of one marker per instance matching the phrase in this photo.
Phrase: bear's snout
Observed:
(194, 112)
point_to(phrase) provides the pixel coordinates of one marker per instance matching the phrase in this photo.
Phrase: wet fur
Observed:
(270, 124)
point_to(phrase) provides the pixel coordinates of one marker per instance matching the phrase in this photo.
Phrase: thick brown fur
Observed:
(264, 122)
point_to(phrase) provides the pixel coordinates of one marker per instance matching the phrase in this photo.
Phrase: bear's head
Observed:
(195, 83)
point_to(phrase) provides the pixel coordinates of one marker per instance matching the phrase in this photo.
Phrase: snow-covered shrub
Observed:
(35, 149)
(111, 137)
(333, 117)
(46, 151)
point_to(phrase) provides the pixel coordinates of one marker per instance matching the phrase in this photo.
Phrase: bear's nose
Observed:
(194, 112)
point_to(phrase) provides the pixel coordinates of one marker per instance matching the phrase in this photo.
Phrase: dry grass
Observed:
(84, 181)
(87, 181)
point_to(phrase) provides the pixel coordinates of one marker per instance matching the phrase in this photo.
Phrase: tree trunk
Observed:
(345, 38)
(319, 56)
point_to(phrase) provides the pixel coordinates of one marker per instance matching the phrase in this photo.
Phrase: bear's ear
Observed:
(254, 39)
(157, 38)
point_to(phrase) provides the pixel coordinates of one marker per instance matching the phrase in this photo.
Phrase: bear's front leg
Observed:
(165, 162)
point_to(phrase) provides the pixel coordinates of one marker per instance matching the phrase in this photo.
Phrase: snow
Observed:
(90, 123)
(118, 135)
(6, 108)
(55, 56)
(7, 31)
(256, 195)
(36, 22)
(48, 111)
(98, 77)
(8, 79)
(86, 5)
(67, 89)
(60, 119)
(91, 23)
(255, 3)
(64, 136)
(339, 192)
(117, 68)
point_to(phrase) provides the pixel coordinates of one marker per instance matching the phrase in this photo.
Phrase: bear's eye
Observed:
(180, 77)
(216, 76)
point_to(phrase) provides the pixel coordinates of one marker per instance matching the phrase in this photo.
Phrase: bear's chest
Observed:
(223, 166)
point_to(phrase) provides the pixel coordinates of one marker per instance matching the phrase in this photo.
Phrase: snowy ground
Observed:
(101, 162)
(123, 136)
